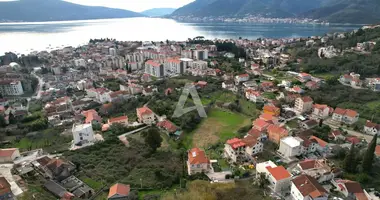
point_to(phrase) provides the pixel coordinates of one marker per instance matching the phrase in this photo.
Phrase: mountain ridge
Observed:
(339, 11)
(57, 10)
(157, 12)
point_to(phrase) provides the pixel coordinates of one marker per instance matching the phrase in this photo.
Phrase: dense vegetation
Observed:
(367, 65)
(110, 161)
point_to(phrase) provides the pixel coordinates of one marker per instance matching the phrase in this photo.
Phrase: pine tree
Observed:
(350, 162)
(369, 155)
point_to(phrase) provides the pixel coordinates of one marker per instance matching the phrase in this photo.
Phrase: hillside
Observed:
(351, 11)
(156, 12)
(57, 10)
(348, 11)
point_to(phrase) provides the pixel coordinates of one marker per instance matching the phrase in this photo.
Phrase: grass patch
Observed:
(292, 124)
(96, 185)
(269, 95)
(373, 105)
(218, 127)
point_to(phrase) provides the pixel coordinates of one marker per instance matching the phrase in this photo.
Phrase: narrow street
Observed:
(368, 138)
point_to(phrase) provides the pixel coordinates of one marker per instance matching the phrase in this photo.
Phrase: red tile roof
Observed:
(154, 64)
(91, 115)
(308, 186)
(377, 151)
(197, 156)
(260, 124)
(236, 143)
(279, 172)
(243, 75)
(254, 132)
(118, 119)
(353, 139)
(320, 106)
(167, 125)
(307, 99)
(119, 189)
(351, 113)
(339, 111)
(271, 108)
(267, 117)
(307, 164)
(250, 140)
(321, 142)
(144, 111)
(5, 187)
(7, 152)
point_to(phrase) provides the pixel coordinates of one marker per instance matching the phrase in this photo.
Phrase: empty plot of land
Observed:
(218, 126)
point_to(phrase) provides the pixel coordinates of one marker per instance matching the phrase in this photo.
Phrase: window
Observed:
(198, 166)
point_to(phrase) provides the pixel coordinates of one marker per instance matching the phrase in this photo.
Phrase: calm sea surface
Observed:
(26, 37)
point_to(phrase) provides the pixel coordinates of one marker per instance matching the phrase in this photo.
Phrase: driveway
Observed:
(5, 170)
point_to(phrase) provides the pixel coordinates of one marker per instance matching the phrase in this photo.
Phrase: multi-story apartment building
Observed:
(154, 68)
(303, 104)
(11, 87)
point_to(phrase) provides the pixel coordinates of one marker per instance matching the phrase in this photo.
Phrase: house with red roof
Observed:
(353, 140)
(145, 115)
(90, 116)
(239, 150)
(260, 125)
(279, 178)
(273, 110)
(304, 77)
(306, 187)
(318, 169)
(336, 134)
(372, 128)
(321, 111)
(241, 78)
(350, 189)
(303, 104)
(275, 133)
(197, 162)
(167, 125)
(118, 191)
(297, 89)
(254, 96)
(312, 85)
(346, 116)
(267, 86)
(269, 118)
(9, 155)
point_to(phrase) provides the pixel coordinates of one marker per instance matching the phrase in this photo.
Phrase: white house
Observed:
(372, 128)
(197, 162)
(346, 116)
(291, 147)
(279, 178)
(305, 187)
(320, 111)
(9, 155)
(241, 78)
(350, 189)
(239, 150)
(83, 134)
(254, 96)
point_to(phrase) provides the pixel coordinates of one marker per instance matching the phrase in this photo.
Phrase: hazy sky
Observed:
(134, 5)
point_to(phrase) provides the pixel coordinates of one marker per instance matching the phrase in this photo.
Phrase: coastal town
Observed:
(288, 118)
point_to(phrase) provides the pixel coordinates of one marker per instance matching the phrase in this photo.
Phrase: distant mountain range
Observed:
(344, 11)
(158, 12)
(57, 10)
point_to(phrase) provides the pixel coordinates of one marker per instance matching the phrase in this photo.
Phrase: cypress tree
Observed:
(350, 162)
(369, 155)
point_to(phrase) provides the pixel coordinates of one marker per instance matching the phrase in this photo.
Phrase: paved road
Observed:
(39, 87)
(368, 138)
(132, 132)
